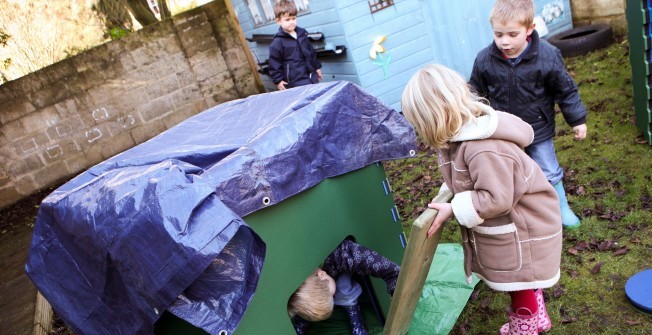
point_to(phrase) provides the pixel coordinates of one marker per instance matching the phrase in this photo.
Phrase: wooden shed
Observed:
(416, 32)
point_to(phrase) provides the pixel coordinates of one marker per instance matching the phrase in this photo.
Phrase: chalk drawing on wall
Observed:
(64, 130)
(93, 135)
(126, 121)
(28, 146)
(100, 114)
(54, 151)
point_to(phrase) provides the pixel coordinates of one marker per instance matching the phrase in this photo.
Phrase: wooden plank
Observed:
(245, 45)
(17, 292)
(414, 270)
(42, 316)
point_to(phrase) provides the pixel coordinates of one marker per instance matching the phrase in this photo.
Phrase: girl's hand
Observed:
(445, 212)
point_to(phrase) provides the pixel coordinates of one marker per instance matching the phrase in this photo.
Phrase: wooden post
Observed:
(245, 46)
(416, 262)
(42, 316)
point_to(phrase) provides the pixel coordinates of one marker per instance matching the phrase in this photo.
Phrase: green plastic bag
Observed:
(444, 294)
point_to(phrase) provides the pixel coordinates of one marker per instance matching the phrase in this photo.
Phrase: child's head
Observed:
(512, 22)
(313, 300)
(437, 101)
(517, 11)
(286, 15)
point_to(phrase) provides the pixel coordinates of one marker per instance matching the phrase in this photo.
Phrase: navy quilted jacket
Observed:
(530, 88)
(293, 60)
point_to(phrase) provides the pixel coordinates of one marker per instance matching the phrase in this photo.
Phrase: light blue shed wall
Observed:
(323, 17)
(457, 38)
(421, 32)
(418, 32)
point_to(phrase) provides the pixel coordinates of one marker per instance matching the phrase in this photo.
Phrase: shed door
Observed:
(458, 30)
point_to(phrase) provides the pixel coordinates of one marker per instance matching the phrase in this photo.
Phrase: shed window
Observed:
(262, 11)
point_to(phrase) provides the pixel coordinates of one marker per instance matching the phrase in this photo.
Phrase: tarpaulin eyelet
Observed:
(267, 201)
(223, 332)
(413, 152)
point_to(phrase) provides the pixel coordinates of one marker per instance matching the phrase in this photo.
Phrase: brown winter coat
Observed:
(507, 210)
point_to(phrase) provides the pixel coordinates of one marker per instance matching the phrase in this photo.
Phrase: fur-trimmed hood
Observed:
(511, 129)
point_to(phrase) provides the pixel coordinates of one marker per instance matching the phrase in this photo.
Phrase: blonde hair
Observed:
(438, 102)
(283, 7)
(521, 11)
(313, 300)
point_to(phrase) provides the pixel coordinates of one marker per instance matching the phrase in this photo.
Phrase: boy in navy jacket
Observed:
(525, 75)
(292, 59)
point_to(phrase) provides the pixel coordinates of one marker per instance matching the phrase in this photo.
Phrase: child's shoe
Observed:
(544, 324)
(568, 218)
(519, 324)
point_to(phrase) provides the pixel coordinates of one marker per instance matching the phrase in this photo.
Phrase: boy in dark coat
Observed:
(292, 59)
(524, 75)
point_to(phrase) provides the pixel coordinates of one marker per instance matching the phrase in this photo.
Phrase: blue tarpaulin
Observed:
(160, 226)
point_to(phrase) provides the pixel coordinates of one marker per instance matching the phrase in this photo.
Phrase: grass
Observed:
(608, 180)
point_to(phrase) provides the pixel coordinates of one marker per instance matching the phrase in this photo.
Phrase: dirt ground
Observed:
(17, 293)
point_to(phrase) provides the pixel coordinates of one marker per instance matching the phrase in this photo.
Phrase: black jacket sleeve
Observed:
(566, 93)
(476, 81)
(276, 61)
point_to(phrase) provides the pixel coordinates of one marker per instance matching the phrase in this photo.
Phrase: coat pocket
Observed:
(497, 248)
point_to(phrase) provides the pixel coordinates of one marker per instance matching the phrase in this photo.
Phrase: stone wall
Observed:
(587, 12)
(61, 120)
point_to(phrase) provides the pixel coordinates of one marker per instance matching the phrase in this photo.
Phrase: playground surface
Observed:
(17, 293)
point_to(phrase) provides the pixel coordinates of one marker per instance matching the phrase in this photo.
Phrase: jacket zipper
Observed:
(512, 89)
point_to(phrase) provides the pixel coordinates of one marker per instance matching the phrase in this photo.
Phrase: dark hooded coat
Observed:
(293, 60)
(529, 88)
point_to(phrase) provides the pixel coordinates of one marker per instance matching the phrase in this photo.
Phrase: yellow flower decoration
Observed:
(377, 48)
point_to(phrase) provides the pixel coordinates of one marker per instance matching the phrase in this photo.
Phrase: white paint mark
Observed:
(127, 121)
(93, 132)
(54, 151)
(100, 114)
(64, 130)
(29, 145)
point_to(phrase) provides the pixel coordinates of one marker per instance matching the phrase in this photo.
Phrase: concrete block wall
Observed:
(64, 118)
(587, 12)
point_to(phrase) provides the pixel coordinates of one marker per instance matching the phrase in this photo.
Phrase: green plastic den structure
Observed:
(210, 226)
(639, 34)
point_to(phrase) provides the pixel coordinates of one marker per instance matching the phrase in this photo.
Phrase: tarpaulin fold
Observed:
(160, 226)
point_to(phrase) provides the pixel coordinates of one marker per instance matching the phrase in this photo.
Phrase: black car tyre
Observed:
(578, 41)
